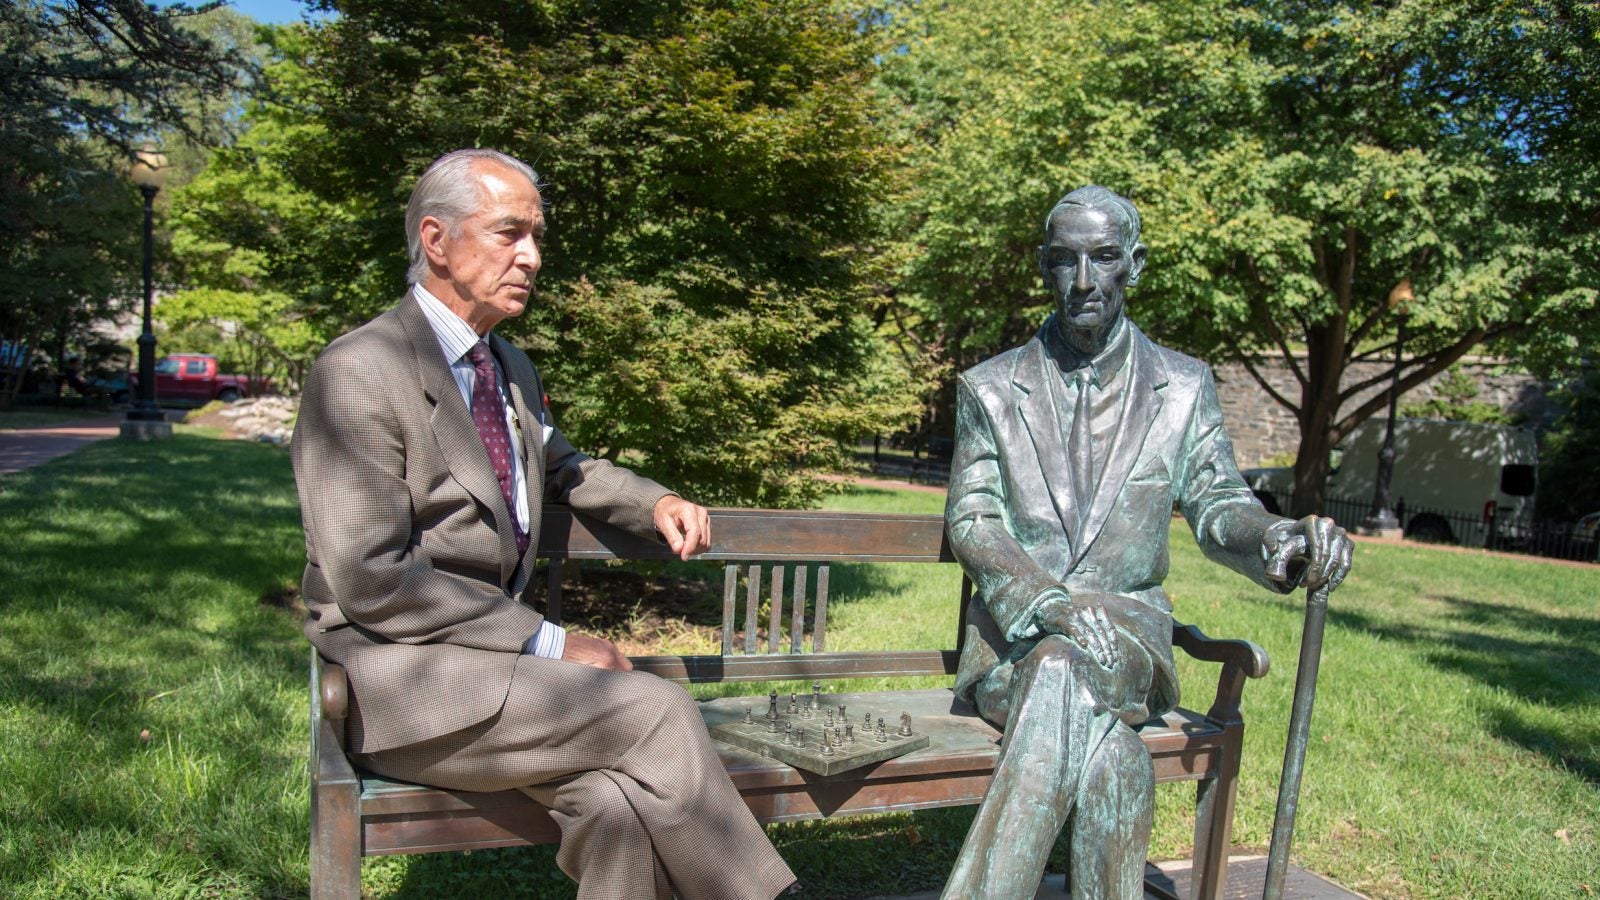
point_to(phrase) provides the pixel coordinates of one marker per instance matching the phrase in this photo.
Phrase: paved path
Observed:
(24, 448)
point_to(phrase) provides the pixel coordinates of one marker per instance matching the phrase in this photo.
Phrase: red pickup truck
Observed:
(186, 378)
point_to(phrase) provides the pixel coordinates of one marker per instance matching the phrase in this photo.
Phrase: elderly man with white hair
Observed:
(423, 451)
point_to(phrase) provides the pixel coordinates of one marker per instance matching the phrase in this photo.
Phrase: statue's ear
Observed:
(1139, 251)
(1044, 270)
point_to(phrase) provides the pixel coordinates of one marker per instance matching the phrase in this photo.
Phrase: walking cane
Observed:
(1294, 754)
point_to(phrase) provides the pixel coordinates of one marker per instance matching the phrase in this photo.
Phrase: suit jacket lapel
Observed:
(1141, 404)
(455, 431)
(1036, 407)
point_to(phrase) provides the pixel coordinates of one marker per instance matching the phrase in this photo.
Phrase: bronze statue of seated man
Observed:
(1071, 453)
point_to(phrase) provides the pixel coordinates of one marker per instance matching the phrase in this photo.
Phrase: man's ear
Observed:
(1137, 266)
(433, 233)
(1044, 270)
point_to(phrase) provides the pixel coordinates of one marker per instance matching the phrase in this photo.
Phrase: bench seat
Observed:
(356, 814)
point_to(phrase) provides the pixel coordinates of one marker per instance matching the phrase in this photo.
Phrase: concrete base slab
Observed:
(134, 430)
(1246, 876)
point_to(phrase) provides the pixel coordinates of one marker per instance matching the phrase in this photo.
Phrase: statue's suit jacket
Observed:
(1015, 525)
(413, 581)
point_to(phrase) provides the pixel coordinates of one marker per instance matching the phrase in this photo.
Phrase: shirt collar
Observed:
(455, 336)
(1104, 366)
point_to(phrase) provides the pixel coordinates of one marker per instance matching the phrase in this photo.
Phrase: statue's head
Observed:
(1091, 255)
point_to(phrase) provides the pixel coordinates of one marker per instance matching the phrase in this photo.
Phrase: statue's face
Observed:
(1088, 270)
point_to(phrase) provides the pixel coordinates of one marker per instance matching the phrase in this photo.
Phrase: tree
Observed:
(1569, 480)
(1294, 163)
(711, 172)
(80, 84)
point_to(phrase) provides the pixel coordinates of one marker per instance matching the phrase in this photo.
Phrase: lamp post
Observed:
(1382, 520)
(145, 420)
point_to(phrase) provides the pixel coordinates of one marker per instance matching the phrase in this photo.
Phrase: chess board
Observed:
(820, 737)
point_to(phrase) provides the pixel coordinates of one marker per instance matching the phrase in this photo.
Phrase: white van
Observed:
(1451, 479)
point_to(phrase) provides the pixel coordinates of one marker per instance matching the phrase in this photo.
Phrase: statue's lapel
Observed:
(455, 431)
(1141, 404)
(1036, 407)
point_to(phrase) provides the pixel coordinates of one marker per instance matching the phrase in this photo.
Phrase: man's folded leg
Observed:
(645, 737)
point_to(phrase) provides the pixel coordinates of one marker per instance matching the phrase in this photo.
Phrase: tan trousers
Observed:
(624, 763)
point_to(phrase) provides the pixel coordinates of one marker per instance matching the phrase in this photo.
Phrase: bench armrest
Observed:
(330, 702)
(1248, 656)
(335, 691)
(1240, 660)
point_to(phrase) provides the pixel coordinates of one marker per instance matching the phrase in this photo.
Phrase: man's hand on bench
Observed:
(685, 526)
(593, 651)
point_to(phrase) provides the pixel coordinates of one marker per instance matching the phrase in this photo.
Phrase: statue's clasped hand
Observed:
(1312, 552)
(1084, 623)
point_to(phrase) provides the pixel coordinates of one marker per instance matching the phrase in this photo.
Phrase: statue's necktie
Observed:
(1081, 450)
(489, 414)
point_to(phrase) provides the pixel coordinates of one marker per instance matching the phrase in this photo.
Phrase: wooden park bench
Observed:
(779, 557)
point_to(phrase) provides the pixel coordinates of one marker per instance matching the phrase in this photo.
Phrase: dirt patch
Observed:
(286, 599)
(210, 416)
(643, 614)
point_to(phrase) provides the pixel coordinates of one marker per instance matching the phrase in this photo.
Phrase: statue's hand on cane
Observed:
(1311, 553)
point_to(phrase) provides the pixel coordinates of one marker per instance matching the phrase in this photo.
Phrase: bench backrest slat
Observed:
(761, 534)
(819, 629)
(800, 666)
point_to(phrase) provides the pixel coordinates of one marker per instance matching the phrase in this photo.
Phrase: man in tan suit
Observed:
(423, 452)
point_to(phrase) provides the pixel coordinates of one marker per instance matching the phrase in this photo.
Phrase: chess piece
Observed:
(905, 724)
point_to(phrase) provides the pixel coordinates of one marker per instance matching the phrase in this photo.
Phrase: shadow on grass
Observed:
(1542, 659)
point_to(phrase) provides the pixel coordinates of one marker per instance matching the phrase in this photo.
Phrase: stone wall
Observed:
(1262, 429)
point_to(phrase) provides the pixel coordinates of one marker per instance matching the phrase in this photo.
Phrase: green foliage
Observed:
(712, 173)
(260, 254)
(276, 343)
(1454, 400)
(1293, 164)
(1569, 478)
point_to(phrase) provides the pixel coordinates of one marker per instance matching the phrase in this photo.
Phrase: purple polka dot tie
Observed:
(489, 414)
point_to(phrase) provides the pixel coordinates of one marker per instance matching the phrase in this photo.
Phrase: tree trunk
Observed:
(1310, 472)
(1319, 407)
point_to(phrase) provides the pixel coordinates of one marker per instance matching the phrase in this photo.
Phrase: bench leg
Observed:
(1213, 823)
(335, 825)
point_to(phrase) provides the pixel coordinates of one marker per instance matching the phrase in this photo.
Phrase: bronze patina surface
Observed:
(1071, 453)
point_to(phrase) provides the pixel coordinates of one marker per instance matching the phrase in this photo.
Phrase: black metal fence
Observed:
(1501, 531)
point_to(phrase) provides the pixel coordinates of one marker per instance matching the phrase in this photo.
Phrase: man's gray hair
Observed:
(1094, 196)
(448, 192)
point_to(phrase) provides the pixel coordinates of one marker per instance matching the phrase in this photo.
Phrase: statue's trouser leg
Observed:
(1053, 730)
(1110, 824)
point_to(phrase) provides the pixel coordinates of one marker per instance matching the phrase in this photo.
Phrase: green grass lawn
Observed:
(46, 416)
(153, 709)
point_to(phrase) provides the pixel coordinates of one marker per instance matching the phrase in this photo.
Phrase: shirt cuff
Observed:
(550, 641)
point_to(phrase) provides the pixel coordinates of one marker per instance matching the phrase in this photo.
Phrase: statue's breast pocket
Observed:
(1150, 485)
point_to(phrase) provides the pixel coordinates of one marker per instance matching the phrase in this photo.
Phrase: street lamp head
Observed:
(1401, 296)
(149, 169)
